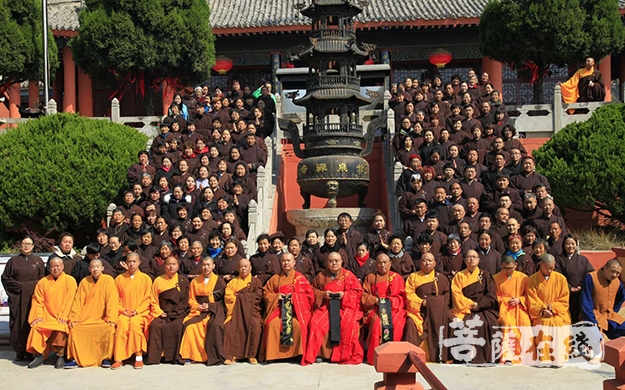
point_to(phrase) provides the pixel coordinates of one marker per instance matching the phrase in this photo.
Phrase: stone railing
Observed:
(537, 120)
(16, 121)
(260, 211)
(148, 125)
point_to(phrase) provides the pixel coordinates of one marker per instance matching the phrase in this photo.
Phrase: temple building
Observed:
(257, 34)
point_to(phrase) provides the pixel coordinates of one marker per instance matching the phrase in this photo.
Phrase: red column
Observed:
(495, 70)
(14, 101)
(69, 87)
(33, 93)
(168, 95)
(605, 67)
(85, 94)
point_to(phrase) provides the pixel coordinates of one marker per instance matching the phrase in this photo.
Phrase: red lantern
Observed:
(370, 61)
(440, 58)
(222, 65)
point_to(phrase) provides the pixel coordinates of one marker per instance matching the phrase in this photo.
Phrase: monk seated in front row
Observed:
(335, 324)
(288, 300)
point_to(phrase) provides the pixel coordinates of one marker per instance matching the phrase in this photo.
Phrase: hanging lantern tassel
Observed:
(440, 58)
(222, 65)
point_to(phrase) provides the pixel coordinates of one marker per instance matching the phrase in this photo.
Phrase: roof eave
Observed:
(65, 33)
(420, 23)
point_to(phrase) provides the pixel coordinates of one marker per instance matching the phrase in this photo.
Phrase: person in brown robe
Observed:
(452, 256)
(19, 279)
(253, 155)
(428, 306)
(528, 178)
(227, 263)
(303, 264)
(377, 237)
(474, 297)
(170, 304)
(548, 216)
(348, 238)
(288, 299)
(362, 264)
(264, 263)
(574, 267)
(330, 244)
(243, 324)
(401, 261)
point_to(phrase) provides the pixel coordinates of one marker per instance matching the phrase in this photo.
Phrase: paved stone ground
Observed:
(242, 376)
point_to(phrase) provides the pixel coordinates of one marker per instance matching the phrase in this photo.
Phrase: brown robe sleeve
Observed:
(368, 299)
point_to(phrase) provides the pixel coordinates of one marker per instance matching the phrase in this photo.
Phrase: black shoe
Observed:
(60, 363)
(19, 357)
(37, 361)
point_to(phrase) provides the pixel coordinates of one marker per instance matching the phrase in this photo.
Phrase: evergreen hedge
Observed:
(585, 163)
(60, 172)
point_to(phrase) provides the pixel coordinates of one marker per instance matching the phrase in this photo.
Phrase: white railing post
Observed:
(390, 124)
(398, 169)
(115, 115)
(51, 107)
(278, 132)
(558, 109)
(387, 97)
(109, 213)
(253, 224)
(390, 166)
(271, 154)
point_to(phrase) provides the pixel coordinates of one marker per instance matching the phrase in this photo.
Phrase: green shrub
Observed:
(585, 163)
(60, 172)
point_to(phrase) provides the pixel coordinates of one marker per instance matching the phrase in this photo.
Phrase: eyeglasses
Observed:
(335, 261)
(27, 244)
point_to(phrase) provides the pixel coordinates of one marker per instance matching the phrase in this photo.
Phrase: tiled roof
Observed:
(269, 13)
(258, 14)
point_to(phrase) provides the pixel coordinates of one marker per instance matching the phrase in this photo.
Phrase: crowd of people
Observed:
(481, 241)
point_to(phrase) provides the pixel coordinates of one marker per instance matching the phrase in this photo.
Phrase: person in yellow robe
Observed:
(513, 310)
(203, 328)
(586, 85)
(49, 314)
(288, 298)
(243, 324)
(134, 288)
(548, 300)
(92, 320)
(428, 309)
